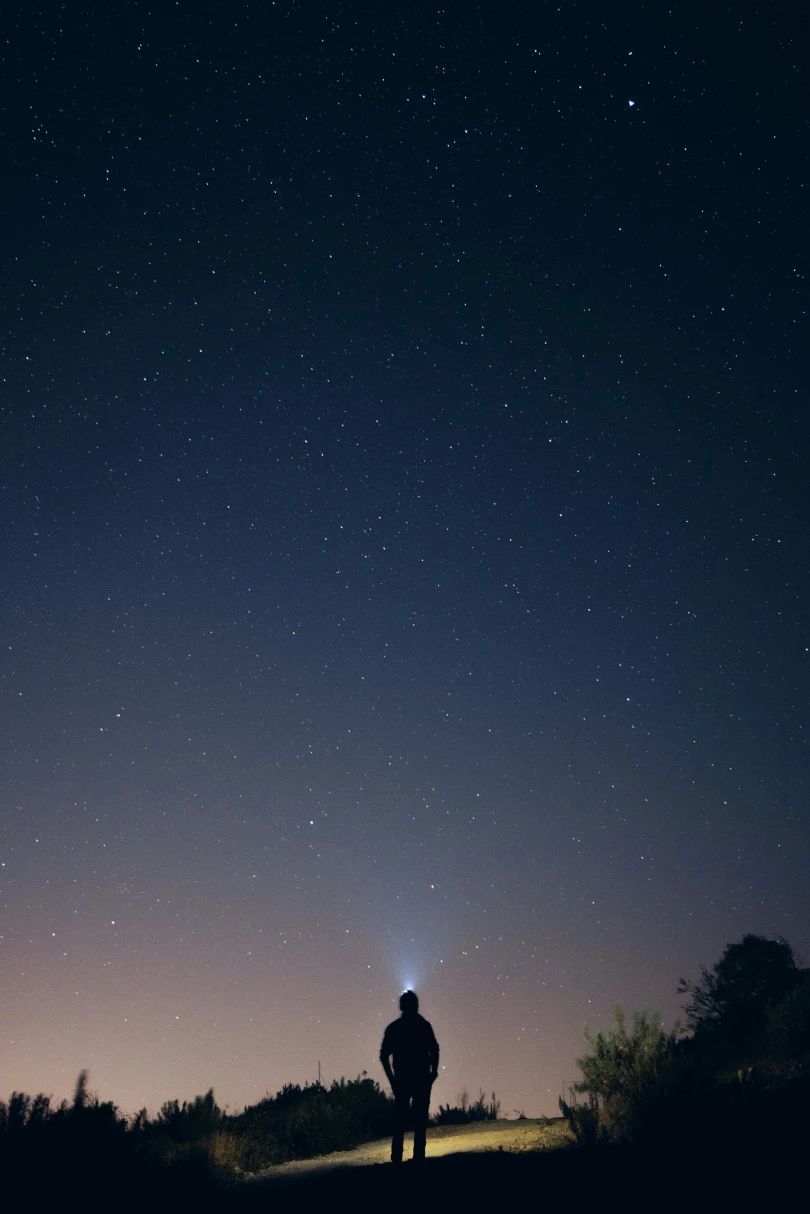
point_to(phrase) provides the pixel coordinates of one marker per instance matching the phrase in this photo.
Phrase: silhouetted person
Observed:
(410, 1043)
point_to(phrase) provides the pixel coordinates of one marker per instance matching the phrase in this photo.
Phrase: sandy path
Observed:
(525, 1135)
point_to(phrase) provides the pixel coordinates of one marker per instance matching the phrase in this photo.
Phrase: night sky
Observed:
(404, 447)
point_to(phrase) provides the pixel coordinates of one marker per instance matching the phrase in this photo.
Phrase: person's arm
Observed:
(434, 1057)
(386, 1049)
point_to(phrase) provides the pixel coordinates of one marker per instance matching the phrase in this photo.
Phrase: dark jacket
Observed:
(413, 1045)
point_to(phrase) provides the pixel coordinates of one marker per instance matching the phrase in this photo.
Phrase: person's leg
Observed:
(401, 1102)
(421, 1106)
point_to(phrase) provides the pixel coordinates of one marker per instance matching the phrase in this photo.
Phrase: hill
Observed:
(475, 1138)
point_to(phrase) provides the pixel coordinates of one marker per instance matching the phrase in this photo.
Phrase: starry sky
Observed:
(404, 434)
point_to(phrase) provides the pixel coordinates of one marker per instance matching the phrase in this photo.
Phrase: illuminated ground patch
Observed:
(511, 1136)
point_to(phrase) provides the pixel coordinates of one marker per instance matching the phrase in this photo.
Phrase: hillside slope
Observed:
(512, 1136)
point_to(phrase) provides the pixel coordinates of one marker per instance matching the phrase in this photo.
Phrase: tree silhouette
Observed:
(731, 1000)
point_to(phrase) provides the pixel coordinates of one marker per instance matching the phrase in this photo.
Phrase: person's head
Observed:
(408, 1003)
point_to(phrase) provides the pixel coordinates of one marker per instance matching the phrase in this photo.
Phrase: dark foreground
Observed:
(753, 1158)
(559, 1181)
(568, 1179)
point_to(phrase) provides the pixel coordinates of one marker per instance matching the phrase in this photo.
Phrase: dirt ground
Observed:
(511, 1136)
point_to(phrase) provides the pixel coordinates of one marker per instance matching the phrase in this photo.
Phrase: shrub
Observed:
(624, 1075)
(464, 1111)
(583, 1119)
(191, 1122)
(300, 1122)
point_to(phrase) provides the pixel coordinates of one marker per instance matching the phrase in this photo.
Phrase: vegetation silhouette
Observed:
(731, 1003)
(86, 1148)
(619, 1069)
(303, 1121)
(739, 1081)
(466, 1111)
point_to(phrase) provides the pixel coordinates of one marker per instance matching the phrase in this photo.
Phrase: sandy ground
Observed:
(512, 1136)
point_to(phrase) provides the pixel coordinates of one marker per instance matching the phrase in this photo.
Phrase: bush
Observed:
(464, 1111)
(84, 1148)
(191, 1122)
(624, 1075)
(300, 1122)
(583, 1119)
